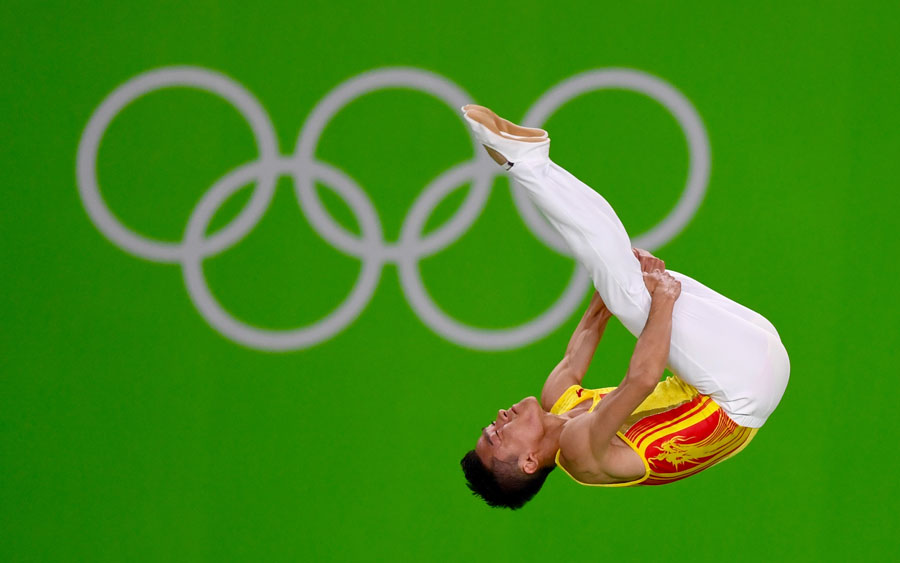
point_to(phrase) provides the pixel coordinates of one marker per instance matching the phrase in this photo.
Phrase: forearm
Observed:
(650, 356)
(587, 335)
(647, 364)
(651, 352)
(579, 352)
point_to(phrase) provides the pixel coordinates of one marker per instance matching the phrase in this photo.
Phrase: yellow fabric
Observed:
(686, 431)
(669, 393)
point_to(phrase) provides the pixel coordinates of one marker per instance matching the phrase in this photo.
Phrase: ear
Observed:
(530, 464)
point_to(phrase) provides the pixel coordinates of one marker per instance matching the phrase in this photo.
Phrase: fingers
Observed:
(651, 279)
(652, 264)
(659, 282)
(671, 286)
(648, 261)
(655, 264)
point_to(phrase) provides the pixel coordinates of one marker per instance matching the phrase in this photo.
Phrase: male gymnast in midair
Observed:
(730, 366)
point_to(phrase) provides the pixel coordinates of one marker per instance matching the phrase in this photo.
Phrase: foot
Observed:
(505, 141)
(504, 126)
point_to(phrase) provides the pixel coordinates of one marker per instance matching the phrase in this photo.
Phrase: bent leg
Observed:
(738, 363)
(693, 287)
(718, 346)
(595, 235)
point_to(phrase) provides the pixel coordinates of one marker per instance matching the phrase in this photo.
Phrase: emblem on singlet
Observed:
(679, 450)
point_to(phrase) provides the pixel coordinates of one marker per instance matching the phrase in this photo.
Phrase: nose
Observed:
(503, 415)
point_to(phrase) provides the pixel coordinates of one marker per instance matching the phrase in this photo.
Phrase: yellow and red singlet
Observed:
(676, 431)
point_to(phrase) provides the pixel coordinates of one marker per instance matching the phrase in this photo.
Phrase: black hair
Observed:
(506, 486)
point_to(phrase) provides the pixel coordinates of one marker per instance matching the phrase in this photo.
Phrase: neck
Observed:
(553, 426)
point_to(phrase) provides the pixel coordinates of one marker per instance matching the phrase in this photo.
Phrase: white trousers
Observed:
(722, 348)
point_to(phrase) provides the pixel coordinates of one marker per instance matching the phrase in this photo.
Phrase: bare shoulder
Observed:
(614, 464)
(575, 452)
(560, 379)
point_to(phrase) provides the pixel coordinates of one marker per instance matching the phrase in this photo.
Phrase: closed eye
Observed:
(486, 437)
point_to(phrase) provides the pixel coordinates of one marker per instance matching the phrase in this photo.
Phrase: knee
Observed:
(630, 305)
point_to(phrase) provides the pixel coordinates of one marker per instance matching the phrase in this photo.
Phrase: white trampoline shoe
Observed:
(510, 141)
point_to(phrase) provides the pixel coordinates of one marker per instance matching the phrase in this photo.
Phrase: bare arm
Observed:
(586, 441)
(579, 353)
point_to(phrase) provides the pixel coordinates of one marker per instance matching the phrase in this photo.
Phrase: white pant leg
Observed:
(595, 235)
(692, 286)
(741, 365)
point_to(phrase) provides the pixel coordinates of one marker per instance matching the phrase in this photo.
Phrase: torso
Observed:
(622, 464)
(680, 431)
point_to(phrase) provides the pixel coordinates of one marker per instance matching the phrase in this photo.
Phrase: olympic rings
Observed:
(370, 247)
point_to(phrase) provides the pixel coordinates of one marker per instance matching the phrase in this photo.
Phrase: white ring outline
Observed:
(145, 83)
(657, 90)
(256, 337)
(370, 248)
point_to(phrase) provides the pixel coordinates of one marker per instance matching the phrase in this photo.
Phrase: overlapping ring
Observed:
(370, 248)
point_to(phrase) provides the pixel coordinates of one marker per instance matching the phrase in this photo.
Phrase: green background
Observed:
(131, 430)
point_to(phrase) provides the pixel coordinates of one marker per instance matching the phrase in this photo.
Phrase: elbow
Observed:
(643, 380)
(646, 370)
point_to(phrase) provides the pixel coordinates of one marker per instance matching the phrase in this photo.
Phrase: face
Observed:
(515, 432)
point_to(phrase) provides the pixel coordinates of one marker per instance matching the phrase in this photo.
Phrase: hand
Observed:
(649, 262)
(662, 285)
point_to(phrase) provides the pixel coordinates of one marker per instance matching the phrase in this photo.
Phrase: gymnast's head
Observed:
(512, 457)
